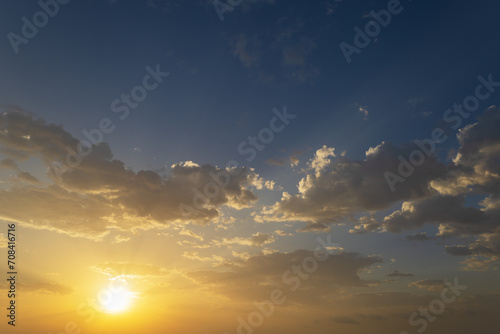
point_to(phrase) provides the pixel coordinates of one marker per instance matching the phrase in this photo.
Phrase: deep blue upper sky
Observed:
(93, 51)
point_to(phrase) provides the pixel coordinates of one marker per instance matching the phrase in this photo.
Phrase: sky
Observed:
(249, 166)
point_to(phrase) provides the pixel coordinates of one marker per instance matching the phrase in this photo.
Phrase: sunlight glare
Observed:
(115, 301)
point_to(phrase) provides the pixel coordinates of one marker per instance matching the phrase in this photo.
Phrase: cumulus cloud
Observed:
(339, 187)
(475, 171)
(476, 162)
(439, 209)
(322, 158)
(365, 224)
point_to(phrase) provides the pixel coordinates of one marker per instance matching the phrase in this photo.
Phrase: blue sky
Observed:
(97, 50)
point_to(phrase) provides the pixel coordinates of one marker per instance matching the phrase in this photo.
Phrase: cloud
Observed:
(315, 227)
(287, 53)
(192, 255)
(100, 193)
(331, 6)
(475, 171)
(476, 160)
(274, 162)
(253, 278)
(241, 255)
(282, 233)
(121, 238)
(396, 273)
(339, 187)
(196, 256)
(190, 234)
(461, 198)
(483, 253)
(481, 263)
(56, 209)
(3, 241)
(46, 288)
(129, 270)
(418, 237)
(429, 284)
(365, 224)
(8, 164)
(248, 51)
(192, 244)
(438, 210)
(383, 299)
(321, 158)
(28, 178)
(256, 240)
(293, 159)
(362, 110)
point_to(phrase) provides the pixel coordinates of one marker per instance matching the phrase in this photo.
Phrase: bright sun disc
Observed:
(116, 301)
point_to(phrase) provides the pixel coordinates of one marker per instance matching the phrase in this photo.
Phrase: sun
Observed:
(114, 301)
